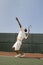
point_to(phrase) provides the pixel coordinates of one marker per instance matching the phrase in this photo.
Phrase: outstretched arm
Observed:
(18, 22)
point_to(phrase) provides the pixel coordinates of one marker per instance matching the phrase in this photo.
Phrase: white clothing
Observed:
(20, 37)
(22, 55)
(22, 34)
(18, 55)
(17, 45)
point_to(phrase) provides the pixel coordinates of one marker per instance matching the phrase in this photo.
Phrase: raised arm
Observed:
(18, 22)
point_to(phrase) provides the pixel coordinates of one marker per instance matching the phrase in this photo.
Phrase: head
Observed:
(25, 30)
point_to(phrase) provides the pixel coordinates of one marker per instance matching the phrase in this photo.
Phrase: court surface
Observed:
(7, 58)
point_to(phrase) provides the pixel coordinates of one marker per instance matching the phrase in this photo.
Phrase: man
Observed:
(21, 35)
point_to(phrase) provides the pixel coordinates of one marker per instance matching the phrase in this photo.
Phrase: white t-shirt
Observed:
(22, 34)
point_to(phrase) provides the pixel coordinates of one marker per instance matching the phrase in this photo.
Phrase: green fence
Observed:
(34, 44)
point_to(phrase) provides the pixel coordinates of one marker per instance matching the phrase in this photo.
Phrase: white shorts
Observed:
(17, 45)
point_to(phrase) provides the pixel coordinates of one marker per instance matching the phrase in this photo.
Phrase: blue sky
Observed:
(29, 12)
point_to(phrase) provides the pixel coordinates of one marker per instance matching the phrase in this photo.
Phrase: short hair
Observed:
(25, 30)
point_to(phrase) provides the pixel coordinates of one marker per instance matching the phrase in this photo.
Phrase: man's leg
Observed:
(20, 53)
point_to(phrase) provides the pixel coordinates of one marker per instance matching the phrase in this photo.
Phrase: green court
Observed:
(20, 61)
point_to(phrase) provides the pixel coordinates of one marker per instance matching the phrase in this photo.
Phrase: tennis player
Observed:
(21, 35)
